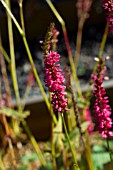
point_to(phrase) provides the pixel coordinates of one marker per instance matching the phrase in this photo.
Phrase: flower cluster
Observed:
(101, 106)
(108, 6)
(54, 80)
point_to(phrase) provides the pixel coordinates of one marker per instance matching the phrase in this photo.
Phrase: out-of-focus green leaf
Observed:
(48, 167)
(29, 157)
(24, 167)
(14, 114)
(84, 126)
(100, 157)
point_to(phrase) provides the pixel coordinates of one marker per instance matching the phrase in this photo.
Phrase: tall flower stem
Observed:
(5, 77)
(110, 154)
(86, 144)
(8, 134)
(55, 12)
(52, 138)
(9, 139)
(4, 53)
(12, 55)
(78, 41)
(21, 14)
(12, 16)
(53, 147)
(34, 143)
(102, 46)
(75, 164)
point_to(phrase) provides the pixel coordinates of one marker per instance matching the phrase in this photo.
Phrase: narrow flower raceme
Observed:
(108, 7)
(101, 106)
(54, 80)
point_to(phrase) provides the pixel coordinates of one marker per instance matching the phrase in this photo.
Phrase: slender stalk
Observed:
(75, 164)
(9, 139)
(13, 66)
(34, 143)
(12, 16)
(88, 152)
(4, 53)
(8, 134)
(110, 154)
(5, 77)
(25, 96)
(53, 147)
(21, 15)
(104, 38)
(86, 145)
(79, 41)
(55, 12)
(52, 139)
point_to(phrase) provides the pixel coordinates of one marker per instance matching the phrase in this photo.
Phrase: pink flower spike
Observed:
(102, 109)
(54, 80)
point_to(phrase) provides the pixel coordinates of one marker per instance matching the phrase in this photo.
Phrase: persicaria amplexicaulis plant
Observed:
(102, 109)
(54, 78)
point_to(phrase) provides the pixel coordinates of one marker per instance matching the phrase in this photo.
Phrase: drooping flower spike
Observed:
(101, 106)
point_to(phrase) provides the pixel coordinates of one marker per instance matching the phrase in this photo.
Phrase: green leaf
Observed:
(48, 167)
(84, 126)
(29, 157)
(14, 114)
(100, 157)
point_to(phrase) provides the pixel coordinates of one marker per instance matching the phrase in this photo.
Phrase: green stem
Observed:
(27, 90)
(4, 54)
(53, 147)
(75, 164)
(104, 38)
(88, 152)
(52, 138)
(110, 154)
(21, 15)
(34, 143)
(12, 55)
(79, 40)
(12, 16)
